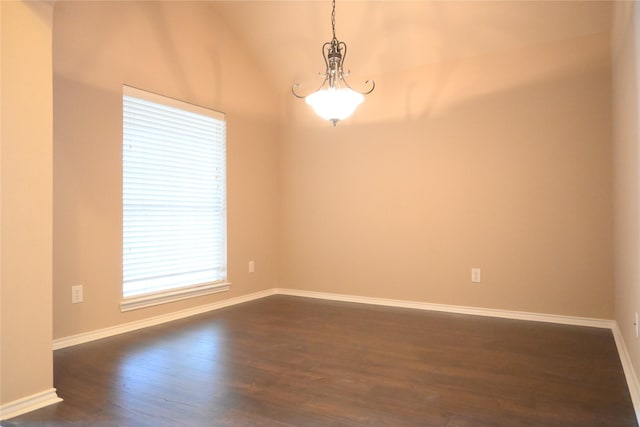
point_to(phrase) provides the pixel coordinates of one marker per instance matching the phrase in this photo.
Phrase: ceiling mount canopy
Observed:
(334, 100)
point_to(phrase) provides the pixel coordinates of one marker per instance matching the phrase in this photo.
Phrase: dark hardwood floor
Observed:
(287, 361)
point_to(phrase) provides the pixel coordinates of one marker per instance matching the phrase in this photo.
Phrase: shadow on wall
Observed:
(432, 90)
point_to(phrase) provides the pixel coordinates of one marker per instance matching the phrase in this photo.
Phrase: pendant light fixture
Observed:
(335, 100)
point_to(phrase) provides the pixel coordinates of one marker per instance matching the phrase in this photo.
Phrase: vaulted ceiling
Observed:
(285, 37)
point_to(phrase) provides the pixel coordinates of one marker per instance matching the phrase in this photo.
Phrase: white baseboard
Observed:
(28, 404)
(629, 371)
(152, 321)
(505, 314)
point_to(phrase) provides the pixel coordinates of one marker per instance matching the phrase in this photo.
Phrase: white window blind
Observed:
(173, 194)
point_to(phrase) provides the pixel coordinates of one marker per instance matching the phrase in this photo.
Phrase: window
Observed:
(173, 200)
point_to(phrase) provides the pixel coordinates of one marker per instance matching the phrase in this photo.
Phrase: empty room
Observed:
(320, 213)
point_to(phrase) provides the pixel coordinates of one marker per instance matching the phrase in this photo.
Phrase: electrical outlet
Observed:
(76, 294)
(252, 267)
(475, 275)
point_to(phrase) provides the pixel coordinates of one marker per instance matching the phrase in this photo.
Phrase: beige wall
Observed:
(178, 49)
(626, 160)
(502, 162)
(25, 189)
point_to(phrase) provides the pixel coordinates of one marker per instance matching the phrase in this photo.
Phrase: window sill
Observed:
(148, 300)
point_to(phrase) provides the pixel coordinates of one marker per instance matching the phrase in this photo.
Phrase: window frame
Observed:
(188, 291)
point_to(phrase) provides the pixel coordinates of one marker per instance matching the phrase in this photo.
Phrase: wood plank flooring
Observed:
(288, 361)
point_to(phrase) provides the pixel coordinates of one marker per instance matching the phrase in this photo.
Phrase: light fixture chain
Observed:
(333, 19)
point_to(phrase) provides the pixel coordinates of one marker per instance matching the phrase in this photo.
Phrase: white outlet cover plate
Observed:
(76, 294)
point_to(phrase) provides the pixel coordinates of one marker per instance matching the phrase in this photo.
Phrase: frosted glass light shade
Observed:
(334, 104)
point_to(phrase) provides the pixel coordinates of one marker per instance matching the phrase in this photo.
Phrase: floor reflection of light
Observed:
(165, 363)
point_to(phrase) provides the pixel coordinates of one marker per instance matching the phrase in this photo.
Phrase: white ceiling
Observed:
(285, 37)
